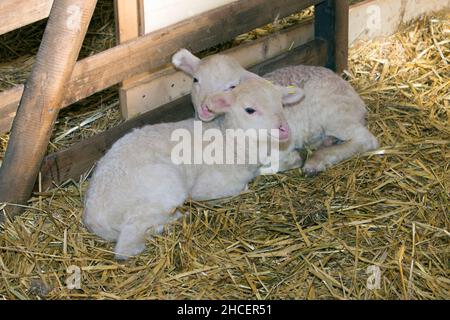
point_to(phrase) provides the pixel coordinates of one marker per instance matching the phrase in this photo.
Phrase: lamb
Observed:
(331, 117)
(137, 187)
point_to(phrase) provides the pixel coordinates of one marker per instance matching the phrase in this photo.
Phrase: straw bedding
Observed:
(288, 236)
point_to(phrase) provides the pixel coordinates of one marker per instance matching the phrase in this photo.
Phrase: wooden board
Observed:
(18, 13)
(75, 161)
(154, 50)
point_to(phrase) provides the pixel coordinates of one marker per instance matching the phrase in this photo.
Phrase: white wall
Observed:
(162, 13)
(375, 18)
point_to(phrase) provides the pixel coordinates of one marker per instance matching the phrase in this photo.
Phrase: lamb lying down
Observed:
(331, 111)
(137, 187)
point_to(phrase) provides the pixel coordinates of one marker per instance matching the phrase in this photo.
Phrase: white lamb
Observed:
(136, 186)
(331, 117)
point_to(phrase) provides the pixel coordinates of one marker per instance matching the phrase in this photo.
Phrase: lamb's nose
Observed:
(284, 131)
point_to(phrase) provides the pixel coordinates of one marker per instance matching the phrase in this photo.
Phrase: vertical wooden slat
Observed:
(127, 19)
(324, 26)
(342, 29)
(41, 100)
(331, 25)
(128, 26)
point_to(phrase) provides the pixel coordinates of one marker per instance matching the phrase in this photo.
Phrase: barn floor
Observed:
(288, 237)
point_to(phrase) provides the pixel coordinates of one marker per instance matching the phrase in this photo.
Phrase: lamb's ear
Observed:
(291, 94)
(221, 102)
(185, 61)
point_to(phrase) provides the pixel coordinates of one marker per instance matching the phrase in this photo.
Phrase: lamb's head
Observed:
(253, 104)
(216, 73)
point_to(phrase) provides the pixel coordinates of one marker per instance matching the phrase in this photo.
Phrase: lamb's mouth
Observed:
(205, 113)
(279, 138)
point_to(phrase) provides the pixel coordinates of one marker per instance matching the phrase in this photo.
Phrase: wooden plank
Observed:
(127, 20)
(75, 161)
(154, 50)
(39, 106)
(18, 13)
(167, 84)
(312, 53)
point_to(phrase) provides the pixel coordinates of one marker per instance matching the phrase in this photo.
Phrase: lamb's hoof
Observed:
(310, 172)
(311, 169)
(123, 254)
(267, 171)
(121, 257)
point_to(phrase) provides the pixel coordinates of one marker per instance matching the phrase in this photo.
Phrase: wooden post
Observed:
(341, 35)
(41, 100)
(331, 25)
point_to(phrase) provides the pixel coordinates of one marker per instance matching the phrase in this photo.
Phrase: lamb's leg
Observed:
(132, 238)
(288, 160)
(356, 140)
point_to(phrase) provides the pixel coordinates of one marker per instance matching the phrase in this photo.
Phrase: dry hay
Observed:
(288, 237)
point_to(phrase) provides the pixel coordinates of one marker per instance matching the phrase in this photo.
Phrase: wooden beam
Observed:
(156, 89)
(75, 161)
(325, 28)
(313, 53)
(341, 35)
(331, 25)
(154, 50)
(39, 106)
(18, 13)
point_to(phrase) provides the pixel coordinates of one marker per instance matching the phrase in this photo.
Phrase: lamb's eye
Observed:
(250, 110)
(195, 80)
(230, 88)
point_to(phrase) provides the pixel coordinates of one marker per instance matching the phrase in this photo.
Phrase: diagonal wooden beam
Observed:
(41, 100)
